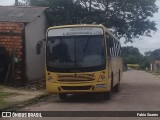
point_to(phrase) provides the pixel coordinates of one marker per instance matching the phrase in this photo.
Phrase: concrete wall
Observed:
(35, 64)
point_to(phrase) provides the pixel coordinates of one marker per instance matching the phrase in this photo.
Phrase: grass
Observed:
(154, 72)
(17, 105)
(5, 105)
(3, 96)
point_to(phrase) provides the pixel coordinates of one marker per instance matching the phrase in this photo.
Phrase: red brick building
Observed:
(20, 30)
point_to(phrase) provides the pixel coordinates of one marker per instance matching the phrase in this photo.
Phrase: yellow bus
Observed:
(82, 59)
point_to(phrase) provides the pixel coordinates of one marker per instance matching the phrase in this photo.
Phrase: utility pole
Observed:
(16, 2)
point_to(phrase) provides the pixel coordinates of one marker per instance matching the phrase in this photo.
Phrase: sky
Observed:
(144, 44)
(148, 43)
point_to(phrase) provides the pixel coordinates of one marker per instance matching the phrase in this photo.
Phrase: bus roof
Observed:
(86, 25)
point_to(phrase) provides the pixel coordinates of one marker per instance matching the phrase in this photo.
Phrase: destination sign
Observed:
(75, 31)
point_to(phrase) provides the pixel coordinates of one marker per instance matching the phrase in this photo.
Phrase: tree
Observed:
(130, 51)
(148, 53)
(126, 18)
(131, 55)
(60, 12)
(144, 62)
(155, 55)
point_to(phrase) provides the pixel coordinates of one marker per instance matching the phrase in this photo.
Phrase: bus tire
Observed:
(117, 86)
(107, 95)
(112, 89)
(62, 96)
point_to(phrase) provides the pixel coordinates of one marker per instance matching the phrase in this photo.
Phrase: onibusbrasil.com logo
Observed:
(21, 114)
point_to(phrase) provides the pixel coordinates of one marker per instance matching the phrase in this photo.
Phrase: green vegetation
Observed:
(12, 99)
(3, 95)
(131, 55)
(127, 18)
(153, 55)
(155, 72)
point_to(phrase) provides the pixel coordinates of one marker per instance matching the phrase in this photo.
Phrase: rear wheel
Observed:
(117, 86)
(107, 95)
(62, 96)
(112, 82)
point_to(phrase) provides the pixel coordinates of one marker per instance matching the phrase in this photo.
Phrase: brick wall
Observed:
(12, 37)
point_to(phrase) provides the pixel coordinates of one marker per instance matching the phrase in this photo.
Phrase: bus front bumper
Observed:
(77, 87)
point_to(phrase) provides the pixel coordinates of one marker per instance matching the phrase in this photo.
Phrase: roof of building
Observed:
(20, 14)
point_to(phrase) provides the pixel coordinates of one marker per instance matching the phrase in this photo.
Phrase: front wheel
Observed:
(107, 95)
(62, 96)
(117, 86)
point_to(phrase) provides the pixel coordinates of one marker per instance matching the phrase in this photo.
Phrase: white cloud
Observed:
(6, 2)
(148, 43)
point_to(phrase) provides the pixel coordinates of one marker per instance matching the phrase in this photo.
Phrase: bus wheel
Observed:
(62, 96)
(107, 95)
(112, 89)
(117, 86)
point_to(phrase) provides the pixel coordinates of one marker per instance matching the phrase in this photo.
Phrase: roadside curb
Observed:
(18, 105)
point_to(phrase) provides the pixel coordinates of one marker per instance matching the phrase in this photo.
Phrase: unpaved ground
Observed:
(140, 91)
(20, 94)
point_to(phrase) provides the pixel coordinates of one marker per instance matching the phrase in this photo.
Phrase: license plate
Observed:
(100, 86)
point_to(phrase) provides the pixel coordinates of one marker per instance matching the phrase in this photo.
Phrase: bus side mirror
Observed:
(38, 47)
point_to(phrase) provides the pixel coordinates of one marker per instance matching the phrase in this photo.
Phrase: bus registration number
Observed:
(101, 86)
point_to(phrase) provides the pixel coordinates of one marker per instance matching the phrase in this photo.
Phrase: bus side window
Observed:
(116, 47)
(107, 45)
(111, 46)
(119, 49)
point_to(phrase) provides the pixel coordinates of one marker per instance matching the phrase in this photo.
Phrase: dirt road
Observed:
(140, 91)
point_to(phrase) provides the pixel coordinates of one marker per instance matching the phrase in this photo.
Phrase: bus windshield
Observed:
(75, 53)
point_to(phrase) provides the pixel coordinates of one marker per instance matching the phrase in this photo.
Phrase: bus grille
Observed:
(76, 78)
(76, 87)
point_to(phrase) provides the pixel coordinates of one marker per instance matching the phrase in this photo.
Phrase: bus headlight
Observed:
(103, 77)
(50, 78)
